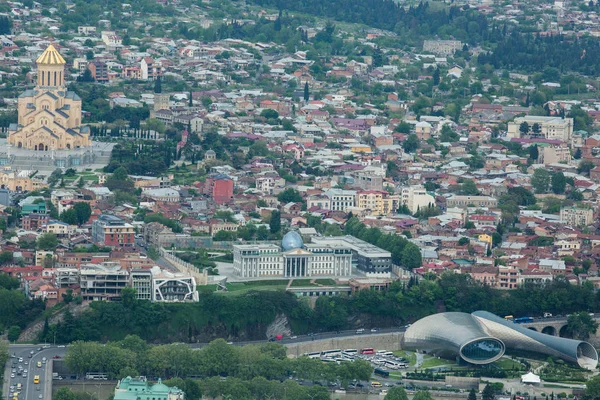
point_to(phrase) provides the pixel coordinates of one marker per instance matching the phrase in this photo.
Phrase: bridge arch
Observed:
(532, 328)
(549, 330)
(563, 332)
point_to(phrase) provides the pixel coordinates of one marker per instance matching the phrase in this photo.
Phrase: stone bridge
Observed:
(549, 326)
(556, 326)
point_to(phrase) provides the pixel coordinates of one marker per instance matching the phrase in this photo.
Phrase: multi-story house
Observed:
(109, 230)
(575, 216)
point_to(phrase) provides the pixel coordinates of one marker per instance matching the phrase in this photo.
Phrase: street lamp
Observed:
(55, 337)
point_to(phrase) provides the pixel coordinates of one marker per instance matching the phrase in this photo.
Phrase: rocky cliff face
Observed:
(32, 332)
(280, 326)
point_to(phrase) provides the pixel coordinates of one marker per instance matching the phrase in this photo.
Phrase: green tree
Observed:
(534, 152)
(86, 76)
(585, 167)
(68, 296)
(306, 92)
(396, 393)
(472, 395)
(64, 394)
(47, 242)
(403, 127)
(6, 257)
(540, 180)
(129, 297)
(268, 113)
(592, 388)
(463, 241)
(537, 129)
(158, 85)
(411, 256)
(153, 253)
(468, 188)
(581, 325)
(411, 144)
(83, 212)
(524, 128)
(488, 393)
(275, 222)
(422, 395)
(69, 216)
(559, 182)
(289, 195)
(13, 333)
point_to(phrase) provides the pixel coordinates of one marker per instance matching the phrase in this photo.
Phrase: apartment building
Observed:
(554, 128)
(173, 287)
(110, 230)
(442, 47)
(141, 281)
(551, 155)
(471, 201)
(151, 69)
(99, 71)
(575, 216)
(508, 277)
(415, 197)
(341, 200)
(378, 202)
(102, 282)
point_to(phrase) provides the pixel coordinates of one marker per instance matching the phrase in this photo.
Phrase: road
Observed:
(316, 336)
(29, 390)
(42, 391)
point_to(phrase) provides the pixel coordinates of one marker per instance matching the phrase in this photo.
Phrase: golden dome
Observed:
(51, 56)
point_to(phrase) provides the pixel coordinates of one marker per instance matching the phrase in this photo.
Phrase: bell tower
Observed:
(51, 69)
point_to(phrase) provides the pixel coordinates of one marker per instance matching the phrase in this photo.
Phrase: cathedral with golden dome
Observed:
(49, 114)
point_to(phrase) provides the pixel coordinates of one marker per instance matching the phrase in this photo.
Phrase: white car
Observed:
(12, 375)
(40, 397)
(24, 371)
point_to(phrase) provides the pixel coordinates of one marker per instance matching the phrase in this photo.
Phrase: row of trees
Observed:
(132, 356)
(403, 252)
(247, 316)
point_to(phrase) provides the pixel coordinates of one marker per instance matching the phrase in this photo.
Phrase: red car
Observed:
(55, 357)
(278, 337)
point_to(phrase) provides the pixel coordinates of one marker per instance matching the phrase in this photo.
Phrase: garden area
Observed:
(559, 371)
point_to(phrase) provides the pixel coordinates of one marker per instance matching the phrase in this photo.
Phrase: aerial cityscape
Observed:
(278, 200)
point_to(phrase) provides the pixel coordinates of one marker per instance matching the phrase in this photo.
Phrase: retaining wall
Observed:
(383, 341)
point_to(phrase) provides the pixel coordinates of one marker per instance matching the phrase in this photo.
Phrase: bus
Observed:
(36, 379)
(523, 320)
(351, 352)
(375, 384)
(392, 364)
(313, 355)
(367, 350)
(382, 372)
(331, 353)
(509, 318)
(96, 376)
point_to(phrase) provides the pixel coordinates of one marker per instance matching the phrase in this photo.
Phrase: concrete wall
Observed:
(384, 341)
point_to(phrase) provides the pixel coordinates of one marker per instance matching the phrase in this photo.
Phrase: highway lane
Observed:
(29, 390)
